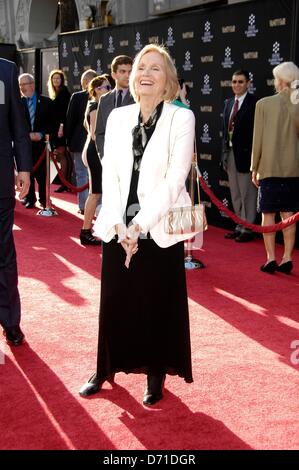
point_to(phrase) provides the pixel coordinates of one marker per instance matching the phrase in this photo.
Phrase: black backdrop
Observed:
(207, 45)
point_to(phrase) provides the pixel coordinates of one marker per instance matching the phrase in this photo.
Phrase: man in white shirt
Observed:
(238, 121)
(121, 68)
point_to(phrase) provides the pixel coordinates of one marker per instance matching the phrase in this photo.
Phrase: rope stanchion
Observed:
(47, 211)
(256, 228)
(66, 183)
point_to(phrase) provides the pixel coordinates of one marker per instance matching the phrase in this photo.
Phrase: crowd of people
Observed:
(131, 135)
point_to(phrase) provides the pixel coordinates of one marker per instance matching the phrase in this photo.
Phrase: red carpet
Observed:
(245, 390)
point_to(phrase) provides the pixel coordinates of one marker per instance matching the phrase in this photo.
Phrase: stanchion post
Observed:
(47, 211)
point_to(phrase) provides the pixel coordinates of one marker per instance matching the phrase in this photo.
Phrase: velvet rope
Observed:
(66, 183)
(256, 228)
(39, 161)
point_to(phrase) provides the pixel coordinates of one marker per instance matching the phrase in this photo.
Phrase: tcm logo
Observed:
(226, 204)
(205, 176)
(99, 67)
(76, 71)
(206, 89)
(170, 39)
(188, 66)
(276, 59)
(252, 87)
(207, 35)
(138, 45)
(295, 353)
(111, 47)
(206, 138)
(251, 31)
(64, 50)
(86, 51)
(228, 62)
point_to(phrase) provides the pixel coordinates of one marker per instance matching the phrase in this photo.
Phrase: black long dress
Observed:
(93, 160)
(144, 319)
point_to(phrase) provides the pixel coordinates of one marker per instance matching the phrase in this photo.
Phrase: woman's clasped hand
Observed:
(128, 238)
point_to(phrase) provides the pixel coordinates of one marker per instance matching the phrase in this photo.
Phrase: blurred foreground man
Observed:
(15, 150)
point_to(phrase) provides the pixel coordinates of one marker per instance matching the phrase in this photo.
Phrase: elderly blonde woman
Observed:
(144, 323)
(275, 161)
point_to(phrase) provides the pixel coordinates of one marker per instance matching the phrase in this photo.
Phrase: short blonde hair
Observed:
(288, 72)
(171, 72)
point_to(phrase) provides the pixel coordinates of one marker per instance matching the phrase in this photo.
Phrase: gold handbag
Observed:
(187, 219)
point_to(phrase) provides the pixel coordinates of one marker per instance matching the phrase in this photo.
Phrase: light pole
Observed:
(60, 14)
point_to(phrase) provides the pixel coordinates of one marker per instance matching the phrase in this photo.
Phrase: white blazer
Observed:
(164, 168)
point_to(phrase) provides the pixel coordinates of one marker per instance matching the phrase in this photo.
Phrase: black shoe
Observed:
(285, 268)
(87, 238)
(61, 189)
(14, 335)
(231, 235)
(80, 211)
(153, 393)
(92, 386)
(244, 237)
(269, 268)
(30, 205)
(23, 201)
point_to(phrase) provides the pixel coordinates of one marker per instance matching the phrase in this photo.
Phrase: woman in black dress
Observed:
(144, 321)
(60, 95)
(98, 86)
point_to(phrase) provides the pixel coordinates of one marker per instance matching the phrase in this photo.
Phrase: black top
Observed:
(91, 106)
(141, 136)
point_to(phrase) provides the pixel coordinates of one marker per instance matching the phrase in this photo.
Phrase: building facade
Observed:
(36, 23)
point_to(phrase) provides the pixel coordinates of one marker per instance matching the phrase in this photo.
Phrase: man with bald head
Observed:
(39, 115)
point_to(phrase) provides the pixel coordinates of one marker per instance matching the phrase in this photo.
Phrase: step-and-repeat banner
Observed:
(207, 46)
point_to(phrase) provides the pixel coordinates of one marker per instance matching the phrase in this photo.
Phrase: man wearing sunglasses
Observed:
(121, 67)
(238, 121)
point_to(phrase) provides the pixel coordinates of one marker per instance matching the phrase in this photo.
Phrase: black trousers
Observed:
(40, 177)
(10, 310)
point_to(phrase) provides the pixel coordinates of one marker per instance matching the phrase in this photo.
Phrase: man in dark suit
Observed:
(121, 68)
(39, 115)
(238, 121)
(76, 134)
(15, 150)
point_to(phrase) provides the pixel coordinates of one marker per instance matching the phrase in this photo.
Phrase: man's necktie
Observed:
(31, 112)
(231, 124)
(119, 98)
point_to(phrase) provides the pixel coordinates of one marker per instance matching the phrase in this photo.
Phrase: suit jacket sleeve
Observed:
(70, 121)
(257, 143)
(166, 193)
(19, 127)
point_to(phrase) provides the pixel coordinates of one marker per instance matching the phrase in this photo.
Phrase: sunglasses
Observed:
(103, 87)
(238, 81)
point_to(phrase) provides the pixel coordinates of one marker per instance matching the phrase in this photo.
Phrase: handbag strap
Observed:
(193, 176)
